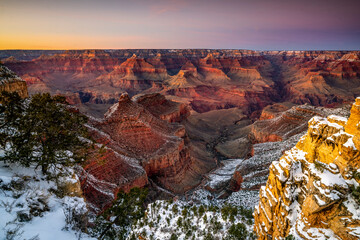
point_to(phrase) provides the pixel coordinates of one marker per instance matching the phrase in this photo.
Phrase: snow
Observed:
(328, 178)
(40, 225)
(317, 121)
(111, 110)
(338, 118)
(350, 144)
(312, 233)
(353, 208)
(161, 221)
(23, 190)
(355, 231)
(8, 76)
(223, 174)
(255, 170)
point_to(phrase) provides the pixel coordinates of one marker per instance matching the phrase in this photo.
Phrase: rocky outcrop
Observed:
(313, 190)
(134, 147)
(274, 110)
(275, 124)
(163, 108)
(10, 82)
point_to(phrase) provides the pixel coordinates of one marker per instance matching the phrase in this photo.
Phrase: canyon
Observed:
(203, 79)
(224, 101)
(134, 148)
(183, 120)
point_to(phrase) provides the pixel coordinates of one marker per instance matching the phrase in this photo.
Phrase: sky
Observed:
(221, 24)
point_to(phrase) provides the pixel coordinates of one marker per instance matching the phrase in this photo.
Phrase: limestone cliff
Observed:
(10, 82)
(313, 190)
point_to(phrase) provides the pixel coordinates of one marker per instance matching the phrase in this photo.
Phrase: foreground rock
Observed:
(312, 191)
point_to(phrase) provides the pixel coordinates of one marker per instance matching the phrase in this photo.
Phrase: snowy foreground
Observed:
(31, 207)
(199, 218)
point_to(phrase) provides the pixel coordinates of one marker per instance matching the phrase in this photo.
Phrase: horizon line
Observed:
(71, 49)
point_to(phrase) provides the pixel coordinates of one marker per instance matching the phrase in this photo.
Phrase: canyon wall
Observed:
(203, 79)
(312, 192)
(10, 82)
(135, 148)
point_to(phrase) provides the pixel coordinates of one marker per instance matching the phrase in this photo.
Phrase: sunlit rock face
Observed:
(10, 82)
(311, 190)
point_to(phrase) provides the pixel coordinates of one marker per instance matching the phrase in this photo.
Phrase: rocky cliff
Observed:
(10, 82)
(312, 192)
(278, 123)
(135, 148)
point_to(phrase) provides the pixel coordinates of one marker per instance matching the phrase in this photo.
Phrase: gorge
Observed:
(214, 123)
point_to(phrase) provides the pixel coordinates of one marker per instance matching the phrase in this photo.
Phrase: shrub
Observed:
(205, 218)
(208, 236)
(173, 237)
(238, 231)
(356, 175)
(179, 222)
(175, 209)
(194, 209)
(201, 210)
(290, 237)
(184, 212)
(114, 223)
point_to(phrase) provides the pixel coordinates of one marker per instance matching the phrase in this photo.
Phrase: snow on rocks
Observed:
(29, 204)
(316, 185)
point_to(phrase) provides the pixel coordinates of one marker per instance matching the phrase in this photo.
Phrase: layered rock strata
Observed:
(312, 191)
(135, 147)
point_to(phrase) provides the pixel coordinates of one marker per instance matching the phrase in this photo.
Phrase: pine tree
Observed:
(43, 131)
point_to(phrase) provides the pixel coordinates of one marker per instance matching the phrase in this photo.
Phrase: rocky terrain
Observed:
(135, 148)
(203, 79)
(312, 191)
(10, 82)
(250, 172)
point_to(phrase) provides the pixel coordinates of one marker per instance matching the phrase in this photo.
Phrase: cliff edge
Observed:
(313, 190)
(10, 82)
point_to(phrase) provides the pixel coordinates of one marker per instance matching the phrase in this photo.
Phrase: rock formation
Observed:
(204, 79)
(10, 82)
(313, 190)
(277, 124)
(134, 147)
(162, 108)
